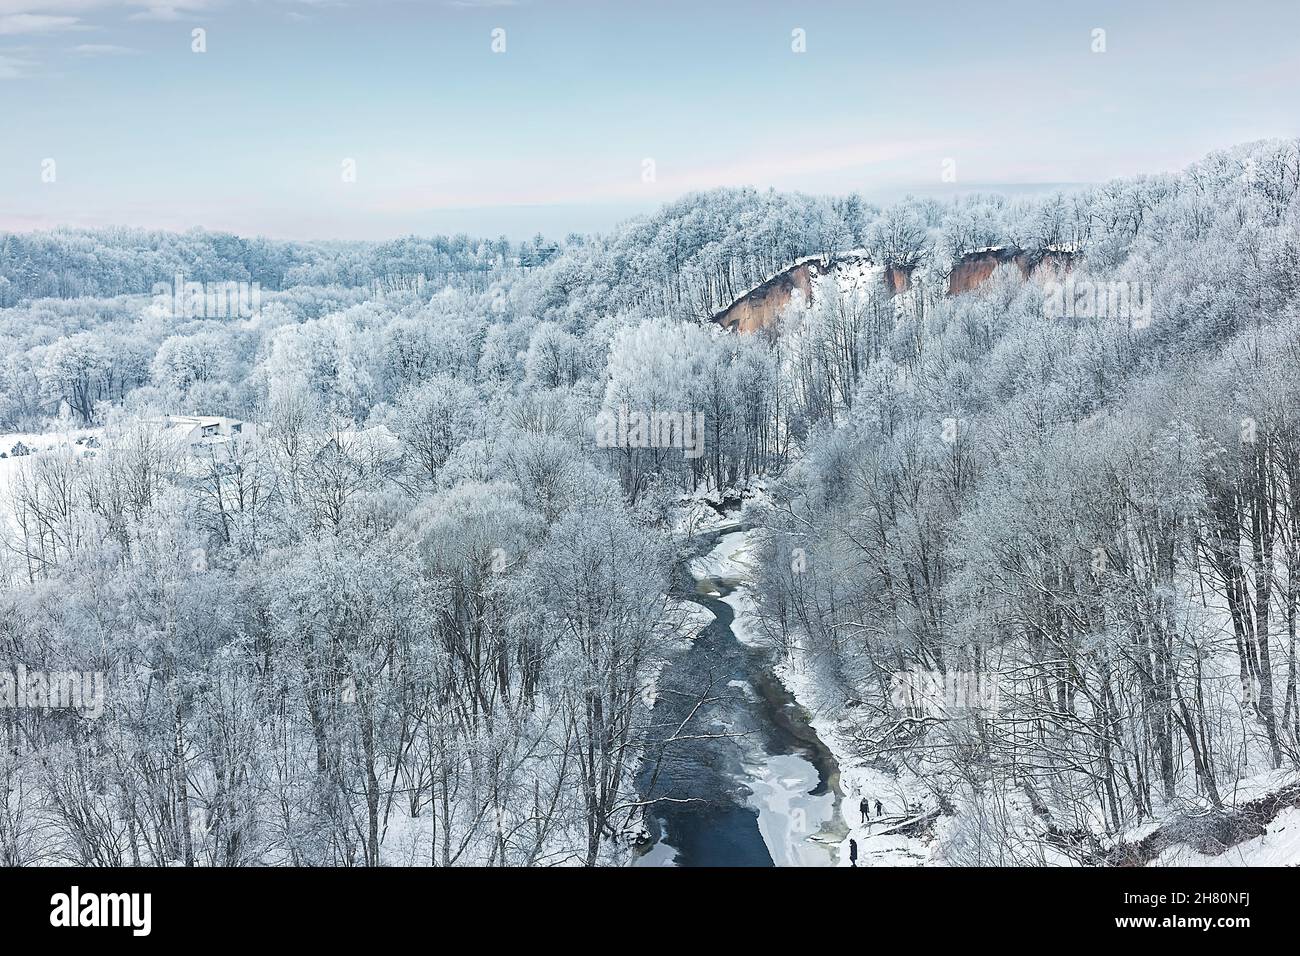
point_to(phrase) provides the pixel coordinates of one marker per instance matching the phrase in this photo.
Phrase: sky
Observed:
(581, 113)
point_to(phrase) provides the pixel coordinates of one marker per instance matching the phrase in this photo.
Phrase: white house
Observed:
(195, 430)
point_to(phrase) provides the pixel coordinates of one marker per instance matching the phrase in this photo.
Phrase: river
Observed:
(763, 790)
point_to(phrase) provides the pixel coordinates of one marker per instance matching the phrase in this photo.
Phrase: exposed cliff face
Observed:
(854, 272)
(974, 268)
(897, 281)
(1055, 264)
(761, 307)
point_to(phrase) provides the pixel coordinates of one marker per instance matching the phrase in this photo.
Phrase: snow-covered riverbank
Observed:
(733, 561)
(747, 782)
(831, 717)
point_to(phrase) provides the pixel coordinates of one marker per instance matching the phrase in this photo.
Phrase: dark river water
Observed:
(766, 793)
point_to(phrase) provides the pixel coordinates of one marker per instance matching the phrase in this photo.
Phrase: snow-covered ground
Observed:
(701, 512)
(856, 275)
(44, 441)
(37, 444)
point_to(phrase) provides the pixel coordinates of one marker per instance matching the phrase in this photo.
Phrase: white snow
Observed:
(728, 561)
(661, 854)
(38, 443)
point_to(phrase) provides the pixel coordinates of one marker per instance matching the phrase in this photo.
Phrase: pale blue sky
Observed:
(552, 134)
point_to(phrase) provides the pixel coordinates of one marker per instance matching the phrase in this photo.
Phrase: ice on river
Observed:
(788, 814)
(727, 561)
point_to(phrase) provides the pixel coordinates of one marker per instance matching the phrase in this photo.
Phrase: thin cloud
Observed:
(8, 7)
(14, 24)
(163, 11)
(15, 67)
(103, 49)
(782, 171)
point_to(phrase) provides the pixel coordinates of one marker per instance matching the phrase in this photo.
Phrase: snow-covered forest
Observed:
(383, 566)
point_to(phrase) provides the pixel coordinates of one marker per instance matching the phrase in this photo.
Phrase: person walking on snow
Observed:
(865, 808)
(880, 811)
(853, 852)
